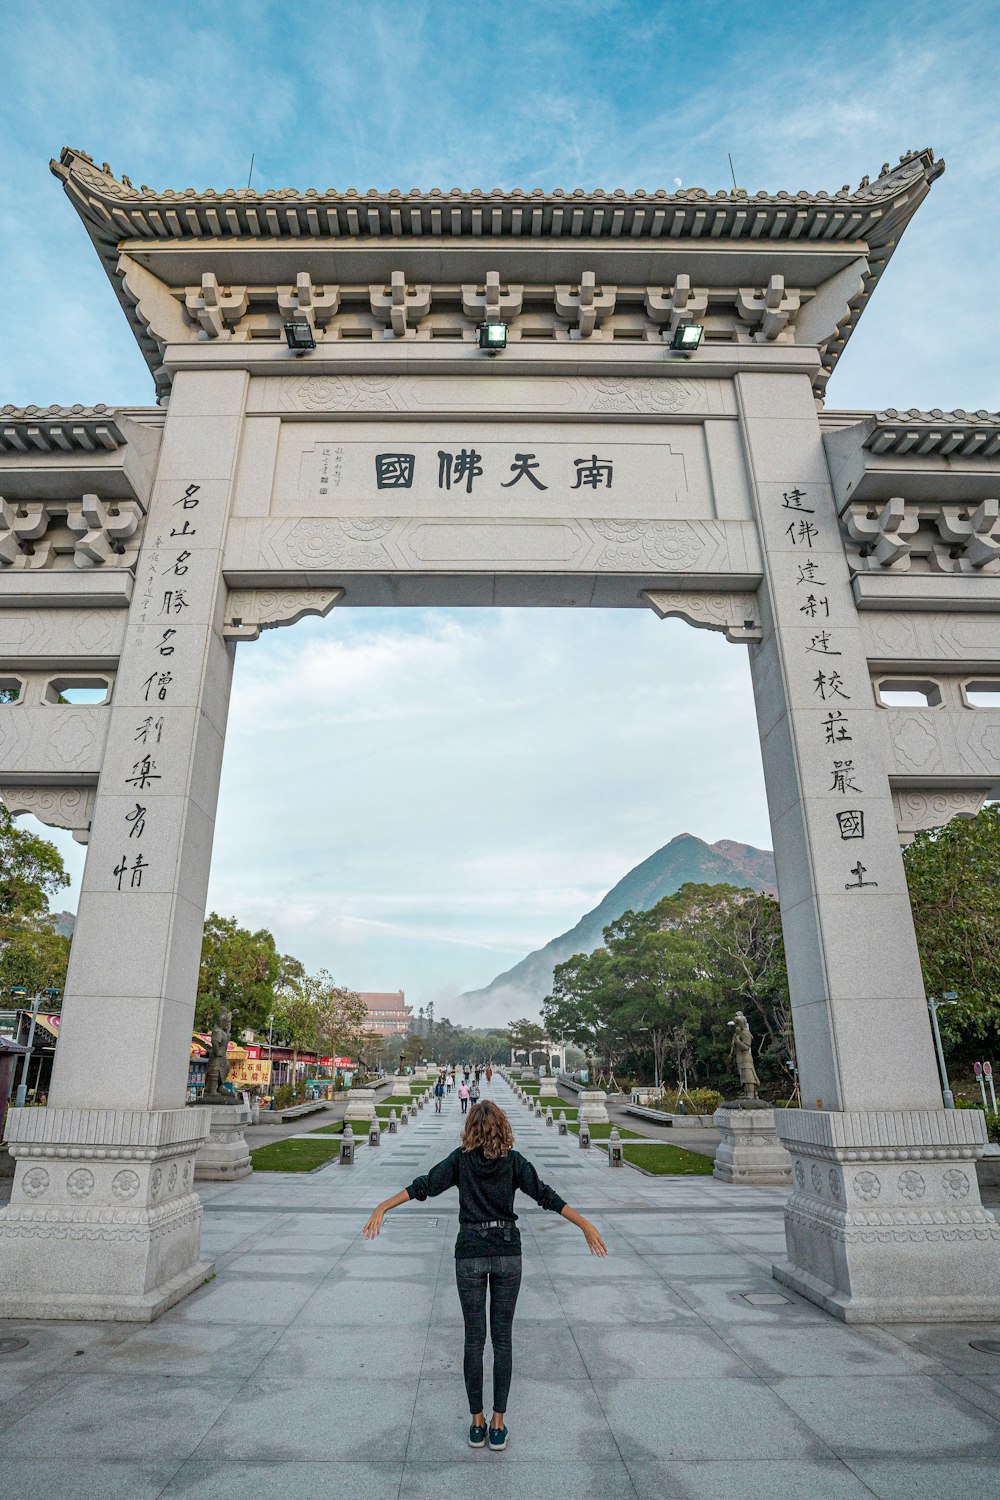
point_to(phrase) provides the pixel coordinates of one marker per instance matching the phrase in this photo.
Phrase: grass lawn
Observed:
(669, 1161)
(603, 1132)
(295, 1156)
(359, 1127)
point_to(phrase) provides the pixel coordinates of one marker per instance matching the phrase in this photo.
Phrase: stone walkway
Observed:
(317, 1366)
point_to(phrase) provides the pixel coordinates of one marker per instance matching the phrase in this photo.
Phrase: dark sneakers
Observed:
(498, 1439)
(477, 1436)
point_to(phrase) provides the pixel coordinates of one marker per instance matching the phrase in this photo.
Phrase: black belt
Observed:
(492, 1224)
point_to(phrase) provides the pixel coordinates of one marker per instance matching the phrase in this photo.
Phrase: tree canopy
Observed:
(32, 953)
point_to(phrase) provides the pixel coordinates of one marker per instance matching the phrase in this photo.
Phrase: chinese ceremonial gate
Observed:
(589, 464)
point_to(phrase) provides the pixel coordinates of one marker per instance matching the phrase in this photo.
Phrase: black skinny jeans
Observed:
(503, 1275)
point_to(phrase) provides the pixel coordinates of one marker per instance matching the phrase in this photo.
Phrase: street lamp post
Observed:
(656, 1070)
(949, 997)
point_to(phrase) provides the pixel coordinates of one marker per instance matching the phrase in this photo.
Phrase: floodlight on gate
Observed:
(299, 336)
(686, 337)
(493, 337)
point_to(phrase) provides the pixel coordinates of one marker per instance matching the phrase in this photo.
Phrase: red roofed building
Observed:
(387, 1015)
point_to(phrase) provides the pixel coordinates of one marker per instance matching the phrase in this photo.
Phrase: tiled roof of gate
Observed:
(870, 211)
(875, 213)
(53, 429)
(921, 433)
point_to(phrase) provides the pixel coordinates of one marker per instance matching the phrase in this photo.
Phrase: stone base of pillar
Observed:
(593, 1107)
(400, 1089)
(225, 1156)
(361, 1106)
(420, 1073)
(750, 1152)
(547, 1089)
(885, 1223)
(103, 1223)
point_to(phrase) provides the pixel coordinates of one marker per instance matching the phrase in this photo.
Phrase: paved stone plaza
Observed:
(316, 1365)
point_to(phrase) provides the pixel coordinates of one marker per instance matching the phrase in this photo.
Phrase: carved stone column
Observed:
(863, 1041)
(102, 1220)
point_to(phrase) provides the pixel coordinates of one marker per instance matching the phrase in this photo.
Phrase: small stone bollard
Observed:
(584, 1135)
(375, 1133)
(538, 1111)
(548, 1116)
(393, 1122)
(404, 1117)
(347, 1147)
(563, 1126)
(615, 1157)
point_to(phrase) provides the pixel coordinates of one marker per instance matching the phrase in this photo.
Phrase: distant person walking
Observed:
(438, 1096)
(487, 1172)
(489, 1073)
(474, 1092)
(463, 1094)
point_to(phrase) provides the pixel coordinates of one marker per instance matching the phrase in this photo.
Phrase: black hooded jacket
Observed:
(485, 1193)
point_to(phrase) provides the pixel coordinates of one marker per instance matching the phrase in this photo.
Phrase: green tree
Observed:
(32, 954)
(31, 870)
(527, 1036)
(240, 971)
(953, 875)
(341, 1018)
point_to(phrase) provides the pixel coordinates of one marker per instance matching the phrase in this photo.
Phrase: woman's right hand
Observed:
(374, 1224)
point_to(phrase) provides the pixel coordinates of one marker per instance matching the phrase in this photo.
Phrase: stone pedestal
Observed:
(102, 1221)
(400, 1089)
(420, 1073)
(547, 1089)
(750, 1151)
(225, 1156)
(593, 1107)
(360, 1106)
(885, 1224)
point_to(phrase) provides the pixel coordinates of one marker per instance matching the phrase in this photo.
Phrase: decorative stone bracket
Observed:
(405, 306)
(770, 310)
(492, 303)
(969, 538)
(679, 303)
(315, 305)
(101, 532)
(735, 615)
(55, 806)
(917, 810)
(217, 311)
(587, 307)
(249, 611)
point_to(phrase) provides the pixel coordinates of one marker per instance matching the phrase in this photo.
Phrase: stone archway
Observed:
(593, 464)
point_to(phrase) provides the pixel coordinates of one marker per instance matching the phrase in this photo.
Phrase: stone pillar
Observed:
(593, 1107)
(866, 1063)
(400, 1089)
(750, 1151)
(225, 1156)
(360, 1105)
(103, 1221)
(547, 1089)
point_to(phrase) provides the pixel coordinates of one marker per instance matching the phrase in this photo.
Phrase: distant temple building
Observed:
(387, 1014)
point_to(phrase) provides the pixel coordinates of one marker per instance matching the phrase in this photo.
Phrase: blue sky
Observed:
(417, 798)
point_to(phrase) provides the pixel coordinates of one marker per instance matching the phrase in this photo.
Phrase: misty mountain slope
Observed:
(686, 858)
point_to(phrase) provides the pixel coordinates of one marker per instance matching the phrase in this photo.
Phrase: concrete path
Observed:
(315, 1365)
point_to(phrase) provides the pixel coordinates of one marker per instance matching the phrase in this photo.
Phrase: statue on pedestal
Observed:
(741, 1050)
(217, 1067)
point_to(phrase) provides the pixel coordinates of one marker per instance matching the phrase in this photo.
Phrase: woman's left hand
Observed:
(595, 1244)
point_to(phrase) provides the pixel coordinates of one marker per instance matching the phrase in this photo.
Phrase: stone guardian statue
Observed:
(741, 1050)
(217, 1068)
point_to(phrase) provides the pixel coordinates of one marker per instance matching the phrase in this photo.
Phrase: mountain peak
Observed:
(686, 858)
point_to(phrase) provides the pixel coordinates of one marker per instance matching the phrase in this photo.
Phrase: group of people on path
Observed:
(468, 1089)
(487, 1172)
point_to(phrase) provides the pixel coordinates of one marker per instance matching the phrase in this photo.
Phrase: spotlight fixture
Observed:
(686, 337)
(493, 337)
(299, 336)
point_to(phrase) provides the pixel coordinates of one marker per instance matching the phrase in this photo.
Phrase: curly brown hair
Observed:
(488, 1130)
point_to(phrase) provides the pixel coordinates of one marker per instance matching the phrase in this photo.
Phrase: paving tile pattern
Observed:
(316, 1364)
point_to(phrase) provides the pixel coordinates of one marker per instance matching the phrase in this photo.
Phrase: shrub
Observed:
(696, 1102)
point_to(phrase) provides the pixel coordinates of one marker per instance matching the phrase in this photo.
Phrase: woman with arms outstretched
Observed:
(487, 1172)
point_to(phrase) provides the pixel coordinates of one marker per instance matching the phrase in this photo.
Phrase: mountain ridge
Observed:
(685, 858)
